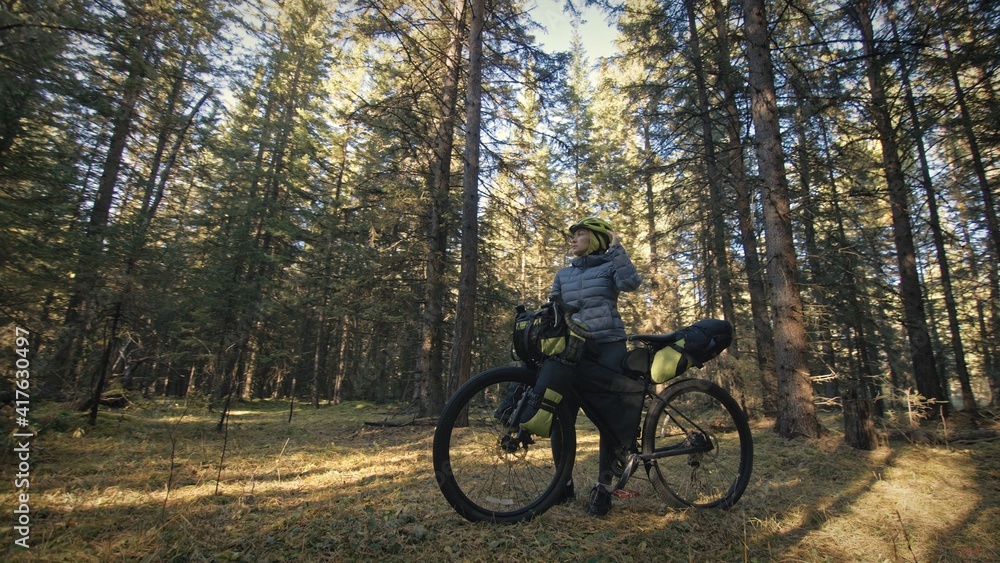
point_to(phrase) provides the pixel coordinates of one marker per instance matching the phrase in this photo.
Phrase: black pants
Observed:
(611, 400)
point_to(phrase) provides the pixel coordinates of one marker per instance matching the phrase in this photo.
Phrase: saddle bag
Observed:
(697, 344)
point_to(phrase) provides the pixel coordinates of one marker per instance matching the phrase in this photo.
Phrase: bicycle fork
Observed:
(517, 437)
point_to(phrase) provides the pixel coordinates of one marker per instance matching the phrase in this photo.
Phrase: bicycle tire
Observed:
(692, 413)
(485, 481)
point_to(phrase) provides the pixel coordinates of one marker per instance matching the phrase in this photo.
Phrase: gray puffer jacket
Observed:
(591, 284)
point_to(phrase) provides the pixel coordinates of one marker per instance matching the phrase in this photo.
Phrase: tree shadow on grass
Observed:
(820, 500)
(976, 537)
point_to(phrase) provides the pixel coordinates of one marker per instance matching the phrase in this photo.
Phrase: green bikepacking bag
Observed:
(697, 344)
(547, 333)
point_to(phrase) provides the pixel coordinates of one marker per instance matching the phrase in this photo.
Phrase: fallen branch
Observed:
(426, 421)
(391, 424)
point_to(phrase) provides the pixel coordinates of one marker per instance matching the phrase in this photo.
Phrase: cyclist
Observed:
(598, 273)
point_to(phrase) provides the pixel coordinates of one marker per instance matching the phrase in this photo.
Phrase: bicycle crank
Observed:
(630, 466)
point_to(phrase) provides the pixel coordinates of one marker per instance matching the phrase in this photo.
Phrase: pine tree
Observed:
(796, 413)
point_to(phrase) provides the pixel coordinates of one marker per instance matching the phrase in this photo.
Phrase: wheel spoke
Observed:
(488, 472)
(700, 416)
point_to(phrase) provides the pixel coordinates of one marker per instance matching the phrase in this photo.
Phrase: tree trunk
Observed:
(820, 320)
(796, 411)
(319, 344)
(76, 318)
(860, 323)
(990, 365)
(715, 210)
(338, 381)
(914, 316)
(951, 306)
(859, 425)
(656, 318)
(461, 363)
(122, 127)
(763, 333)
(429, 388)
(989, 203)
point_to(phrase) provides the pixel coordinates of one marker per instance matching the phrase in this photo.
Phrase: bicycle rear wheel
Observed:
(492, 470)
(704, 438)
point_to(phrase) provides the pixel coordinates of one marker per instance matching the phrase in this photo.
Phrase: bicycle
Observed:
(694, 443)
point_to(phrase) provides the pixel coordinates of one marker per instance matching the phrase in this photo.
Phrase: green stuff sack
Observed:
(668, 363)
(697, 344)
(574, 344)
(541, 423)
(552, 345)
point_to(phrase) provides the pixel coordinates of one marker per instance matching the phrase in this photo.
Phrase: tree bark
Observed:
(735, 163)
(859, 425)
(429, 387)
(796, 412)
(914, 316)
(461, 359)
(934, 219)
(716, 213)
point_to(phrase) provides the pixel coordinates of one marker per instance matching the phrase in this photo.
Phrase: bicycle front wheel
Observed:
(488, 468)
(700, 444)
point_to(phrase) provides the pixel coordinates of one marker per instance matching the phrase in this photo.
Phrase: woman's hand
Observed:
(615, 240)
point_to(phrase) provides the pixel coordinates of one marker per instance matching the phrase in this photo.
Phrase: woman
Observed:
(600, 271)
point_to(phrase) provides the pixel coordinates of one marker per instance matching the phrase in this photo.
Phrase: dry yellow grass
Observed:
(328, 488)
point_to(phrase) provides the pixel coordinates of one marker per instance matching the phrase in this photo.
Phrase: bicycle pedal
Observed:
(625, 493)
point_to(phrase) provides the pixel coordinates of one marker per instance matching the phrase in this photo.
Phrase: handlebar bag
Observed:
(545, 333)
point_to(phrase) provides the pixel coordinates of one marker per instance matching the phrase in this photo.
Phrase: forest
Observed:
(326, 201)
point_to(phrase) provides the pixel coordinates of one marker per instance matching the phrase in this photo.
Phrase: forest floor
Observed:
(328, 487)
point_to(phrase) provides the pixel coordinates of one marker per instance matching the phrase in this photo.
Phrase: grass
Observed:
(327, 487)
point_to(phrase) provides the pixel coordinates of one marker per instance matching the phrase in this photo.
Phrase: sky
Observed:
(598, 36)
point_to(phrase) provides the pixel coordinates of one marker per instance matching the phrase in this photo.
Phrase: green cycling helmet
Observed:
(600, 232)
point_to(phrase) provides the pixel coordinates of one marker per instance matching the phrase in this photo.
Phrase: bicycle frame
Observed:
(699, 439)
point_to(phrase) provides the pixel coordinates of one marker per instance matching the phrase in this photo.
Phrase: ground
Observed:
(156, 482)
